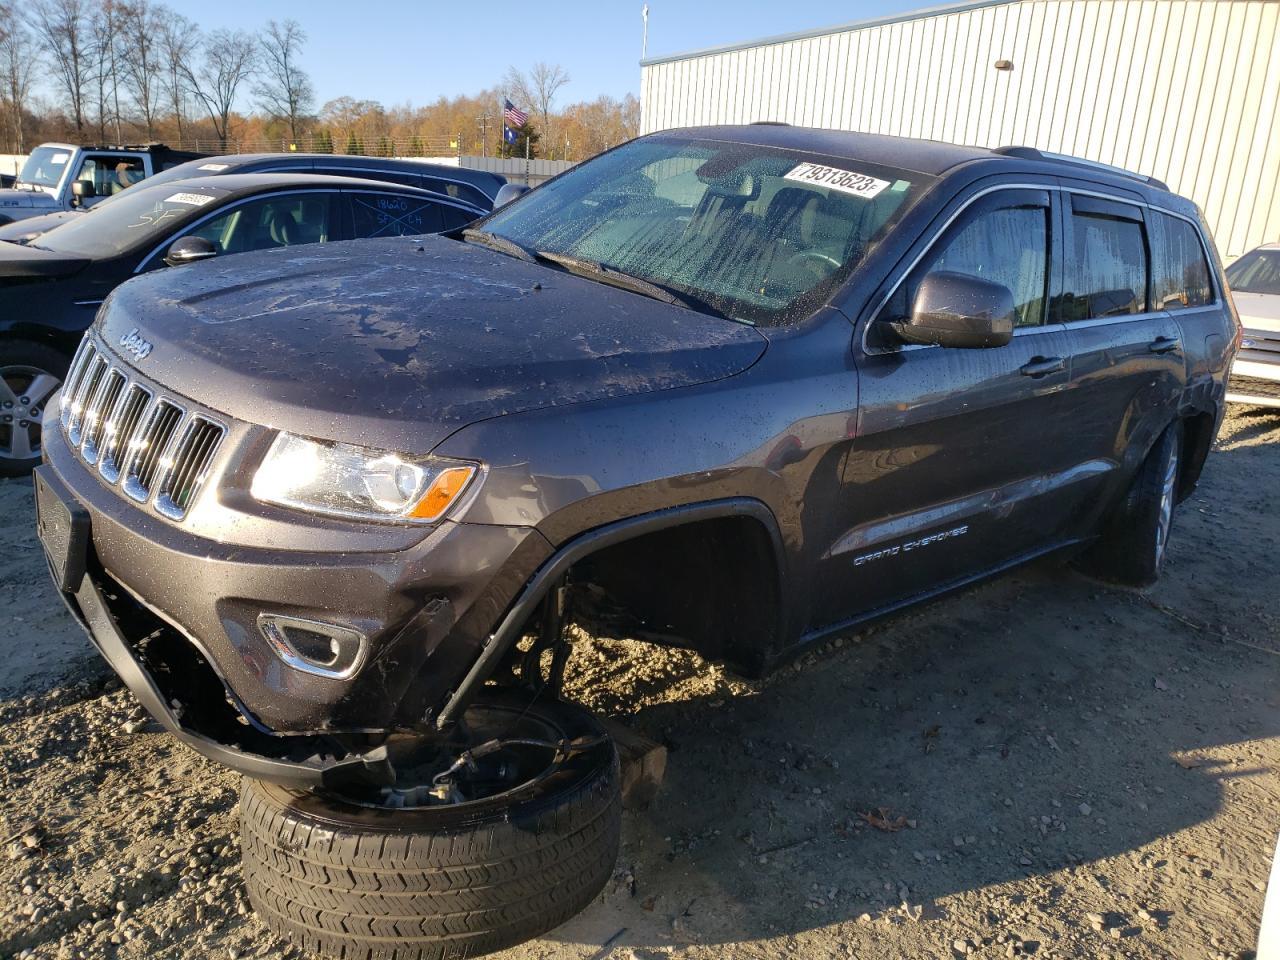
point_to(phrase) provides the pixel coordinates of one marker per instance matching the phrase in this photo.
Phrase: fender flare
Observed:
(507, 632)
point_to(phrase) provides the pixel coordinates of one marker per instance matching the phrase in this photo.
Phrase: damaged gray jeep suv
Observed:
(329, 513)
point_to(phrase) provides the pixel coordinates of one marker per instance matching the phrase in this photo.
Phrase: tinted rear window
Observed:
(1180, 272)
(1107, 272)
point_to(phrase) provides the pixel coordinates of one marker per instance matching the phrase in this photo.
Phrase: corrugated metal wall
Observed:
(1185, 90)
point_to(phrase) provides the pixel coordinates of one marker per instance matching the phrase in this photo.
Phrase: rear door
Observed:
(960, 455)
(1128, 363)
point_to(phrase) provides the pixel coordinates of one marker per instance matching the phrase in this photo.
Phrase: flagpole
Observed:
(644, 43)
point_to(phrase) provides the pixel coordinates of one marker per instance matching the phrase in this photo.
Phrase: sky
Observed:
(396, 51)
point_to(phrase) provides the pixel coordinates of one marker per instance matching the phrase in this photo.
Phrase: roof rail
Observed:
(1031, 153)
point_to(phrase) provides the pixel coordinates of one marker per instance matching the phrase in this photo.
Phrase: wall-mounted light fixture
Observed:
(1004, 64)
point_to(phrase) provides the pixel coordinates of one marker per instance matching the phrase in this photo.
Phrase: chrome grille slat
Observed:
(149, 448)
(120, 429)
(95, 415)
(142, 442)
(79, 363)
(191, 458)
(85, 391)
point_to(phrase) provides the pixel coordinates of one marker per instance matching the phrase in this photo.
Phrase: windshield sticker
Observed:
(846, 181)
(213, 166)
(195, 199)
(60, 158)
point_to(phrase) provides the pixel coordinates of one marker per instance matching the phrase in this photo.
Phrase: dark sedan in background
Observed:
(477, 188)
(51, 287)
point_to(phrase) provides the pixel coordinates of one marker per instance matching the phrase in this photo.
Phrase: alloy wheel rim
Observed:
(1165, 519)
(24, 393)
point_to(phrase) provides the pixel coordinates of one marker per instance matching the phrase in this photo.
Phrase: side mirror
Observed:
(958, 310)
(83, 190)
(508, 192)
(188, 250)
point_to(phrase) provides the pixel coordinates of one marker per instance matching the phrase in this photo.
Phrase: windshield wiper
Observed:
(501, 244)
(594, 270)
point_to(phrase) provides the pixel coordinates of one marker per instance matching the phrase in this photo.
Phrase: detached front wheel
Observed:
(453, 867)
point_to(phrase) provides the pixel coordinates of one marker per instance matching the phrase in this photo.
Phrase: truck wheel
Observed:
(1132, 548)
(29, 373)
(407, 877)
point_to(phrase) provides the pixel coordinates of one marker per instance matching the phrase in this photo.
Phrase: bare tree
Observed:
(284, 90)
(141, 41)
(230, 58)
(17, 69)
(178, 40)
(104, 52)
(538, 87)
(62, 28)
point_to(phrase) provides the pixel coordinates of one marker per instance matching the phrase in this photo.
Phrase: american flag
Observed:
(512, 115)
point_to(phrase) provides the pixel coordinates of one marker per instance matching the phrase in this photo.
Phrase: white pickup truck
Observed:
(48, 180)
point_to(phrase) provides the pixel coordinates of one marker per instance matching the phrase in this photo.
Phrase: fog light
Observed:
(323, 649)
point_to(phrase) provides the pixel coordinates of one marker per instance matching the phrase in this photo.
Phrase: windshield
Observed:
(45, 167)
(1256, 272)
(753, 232)
(138, 216)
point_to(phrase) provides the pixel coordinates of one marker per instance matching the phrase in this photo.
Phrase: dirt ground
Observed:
(1065, 770)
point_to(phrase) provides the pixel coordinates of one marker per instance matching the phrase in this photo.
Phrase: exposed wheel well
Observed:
(710, 585)
(1197, 437)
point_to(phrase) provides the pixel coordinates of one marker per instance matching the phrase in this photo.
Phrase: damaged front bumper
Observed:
(166, 611)
(303, 762)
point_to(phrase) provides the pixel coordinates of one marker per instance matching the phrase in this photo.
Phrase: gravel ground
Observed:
(1041, 766)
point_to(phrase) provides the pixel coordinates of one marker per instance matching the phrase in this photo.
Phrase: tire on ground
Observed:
(354, 882)
(1132, 547)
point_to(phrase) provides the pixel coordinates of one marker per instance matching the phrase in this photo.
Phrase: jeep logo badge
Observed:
(135, 344)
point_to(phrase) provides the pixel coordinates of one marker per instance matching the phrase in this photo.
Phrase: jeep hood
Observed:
(397, 343)
(13, 199)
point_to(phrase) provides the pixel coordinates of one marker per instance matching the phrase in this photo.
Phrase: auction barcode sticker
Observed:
(213, 166)
(195, 199)
(846, 181)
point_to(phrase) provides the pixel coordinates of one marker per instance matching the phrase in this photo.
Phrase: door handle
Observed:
(1164, 344)
(1043, 366)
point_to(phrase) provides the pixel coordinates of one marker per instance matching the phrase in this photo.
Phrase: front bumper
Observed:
(1256, 382)
(133, 580)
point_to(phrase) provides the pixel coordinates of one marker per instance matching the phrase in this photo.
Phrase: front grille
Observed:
(147, 443)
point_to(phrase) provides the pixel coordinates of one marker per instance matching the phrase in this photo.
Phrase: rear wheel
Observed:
(1133, 544)
(29, 374)
(447, 867)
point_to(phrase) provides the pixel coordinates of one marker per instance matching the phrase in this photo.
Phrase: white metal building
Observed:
(1185, 90)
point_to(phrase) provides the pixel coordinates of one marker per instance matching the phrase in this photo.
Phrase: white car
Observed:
(1255, 286)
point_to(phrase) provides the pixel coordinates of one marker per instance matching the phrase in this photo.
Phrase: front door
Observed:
(959, 461)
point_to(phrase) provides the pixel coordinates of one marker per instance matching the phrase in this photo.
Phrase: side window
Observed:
(1107, 263)
(284, 220)
(111, 174)
(389, 215)
(1180, 273)
(459, 191)
(453, 217)
(1006, 245)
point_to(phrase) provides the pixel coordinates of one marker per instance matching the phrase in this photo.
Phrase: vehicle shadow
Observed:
(1035, 727)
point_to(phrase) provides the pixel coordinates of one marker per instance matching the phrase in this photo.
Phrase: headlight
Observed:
(347, 481)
